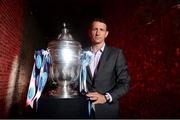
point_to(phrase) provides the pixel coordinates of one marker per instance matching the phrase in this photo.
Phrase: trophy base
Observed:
(66, 89)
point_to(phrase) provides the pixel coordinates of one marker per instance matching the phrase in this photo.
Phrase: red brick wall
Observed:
(11, 24)
(20, 36)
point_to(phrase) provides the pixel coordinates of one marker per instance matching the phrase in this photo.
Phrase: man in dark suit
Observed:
(107, 74)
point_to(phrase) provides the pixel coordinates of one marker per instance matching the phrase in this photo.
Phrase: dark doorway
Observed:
(50, 15)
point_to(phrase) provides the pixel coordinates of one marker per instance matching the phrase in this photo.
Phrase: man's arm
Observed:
(122, 78)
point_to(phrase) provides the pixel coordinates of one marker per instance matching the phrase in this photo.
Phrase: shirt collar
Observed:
(102, 48)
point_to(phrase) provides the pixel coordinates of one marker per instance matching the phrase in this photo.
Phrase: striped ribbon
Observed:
(38, 77)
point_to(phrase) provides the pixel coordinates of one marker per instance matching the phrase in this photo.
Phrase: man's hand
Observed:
(96, 97)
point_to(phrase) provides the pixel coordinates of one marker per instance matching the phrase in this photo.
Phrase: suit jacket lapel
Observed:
(102, 60)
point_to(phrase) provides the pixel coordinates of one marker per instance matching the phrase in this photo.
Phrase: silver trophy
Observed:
(65, 63)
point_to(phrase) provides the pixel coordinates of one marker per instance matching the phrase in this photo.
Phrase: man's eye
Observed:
(102, 29)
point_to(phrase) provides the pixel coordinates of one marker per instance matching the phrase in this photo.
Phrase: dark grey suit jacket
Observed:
(112, 77)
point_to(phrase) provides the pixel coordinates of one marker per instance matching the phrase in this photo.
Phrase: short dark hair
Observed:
(99, 19)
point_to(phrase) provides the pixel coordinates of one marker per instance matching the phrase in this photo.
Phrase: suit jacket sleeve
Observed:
(122, 77)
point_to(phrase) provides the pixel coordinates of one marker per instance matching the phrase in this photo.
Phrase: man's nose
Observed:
(97, 32)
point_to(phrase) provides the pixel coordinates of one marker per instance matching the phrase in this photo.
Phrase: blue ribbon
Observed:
(86, 58)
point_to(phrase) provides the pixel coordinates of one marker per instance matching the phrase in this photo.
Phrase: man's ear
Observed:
(107, 32)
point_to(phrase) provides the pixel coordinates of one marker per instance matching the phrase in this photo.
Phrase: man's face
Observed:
(98, 32)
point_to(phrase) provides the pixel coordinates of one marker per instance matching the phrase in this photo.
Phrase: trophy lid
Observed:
(65, 35)
(64, 39)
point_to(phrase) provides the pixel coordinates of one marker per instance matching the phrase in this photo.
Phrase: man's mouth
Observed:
(97, 37)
